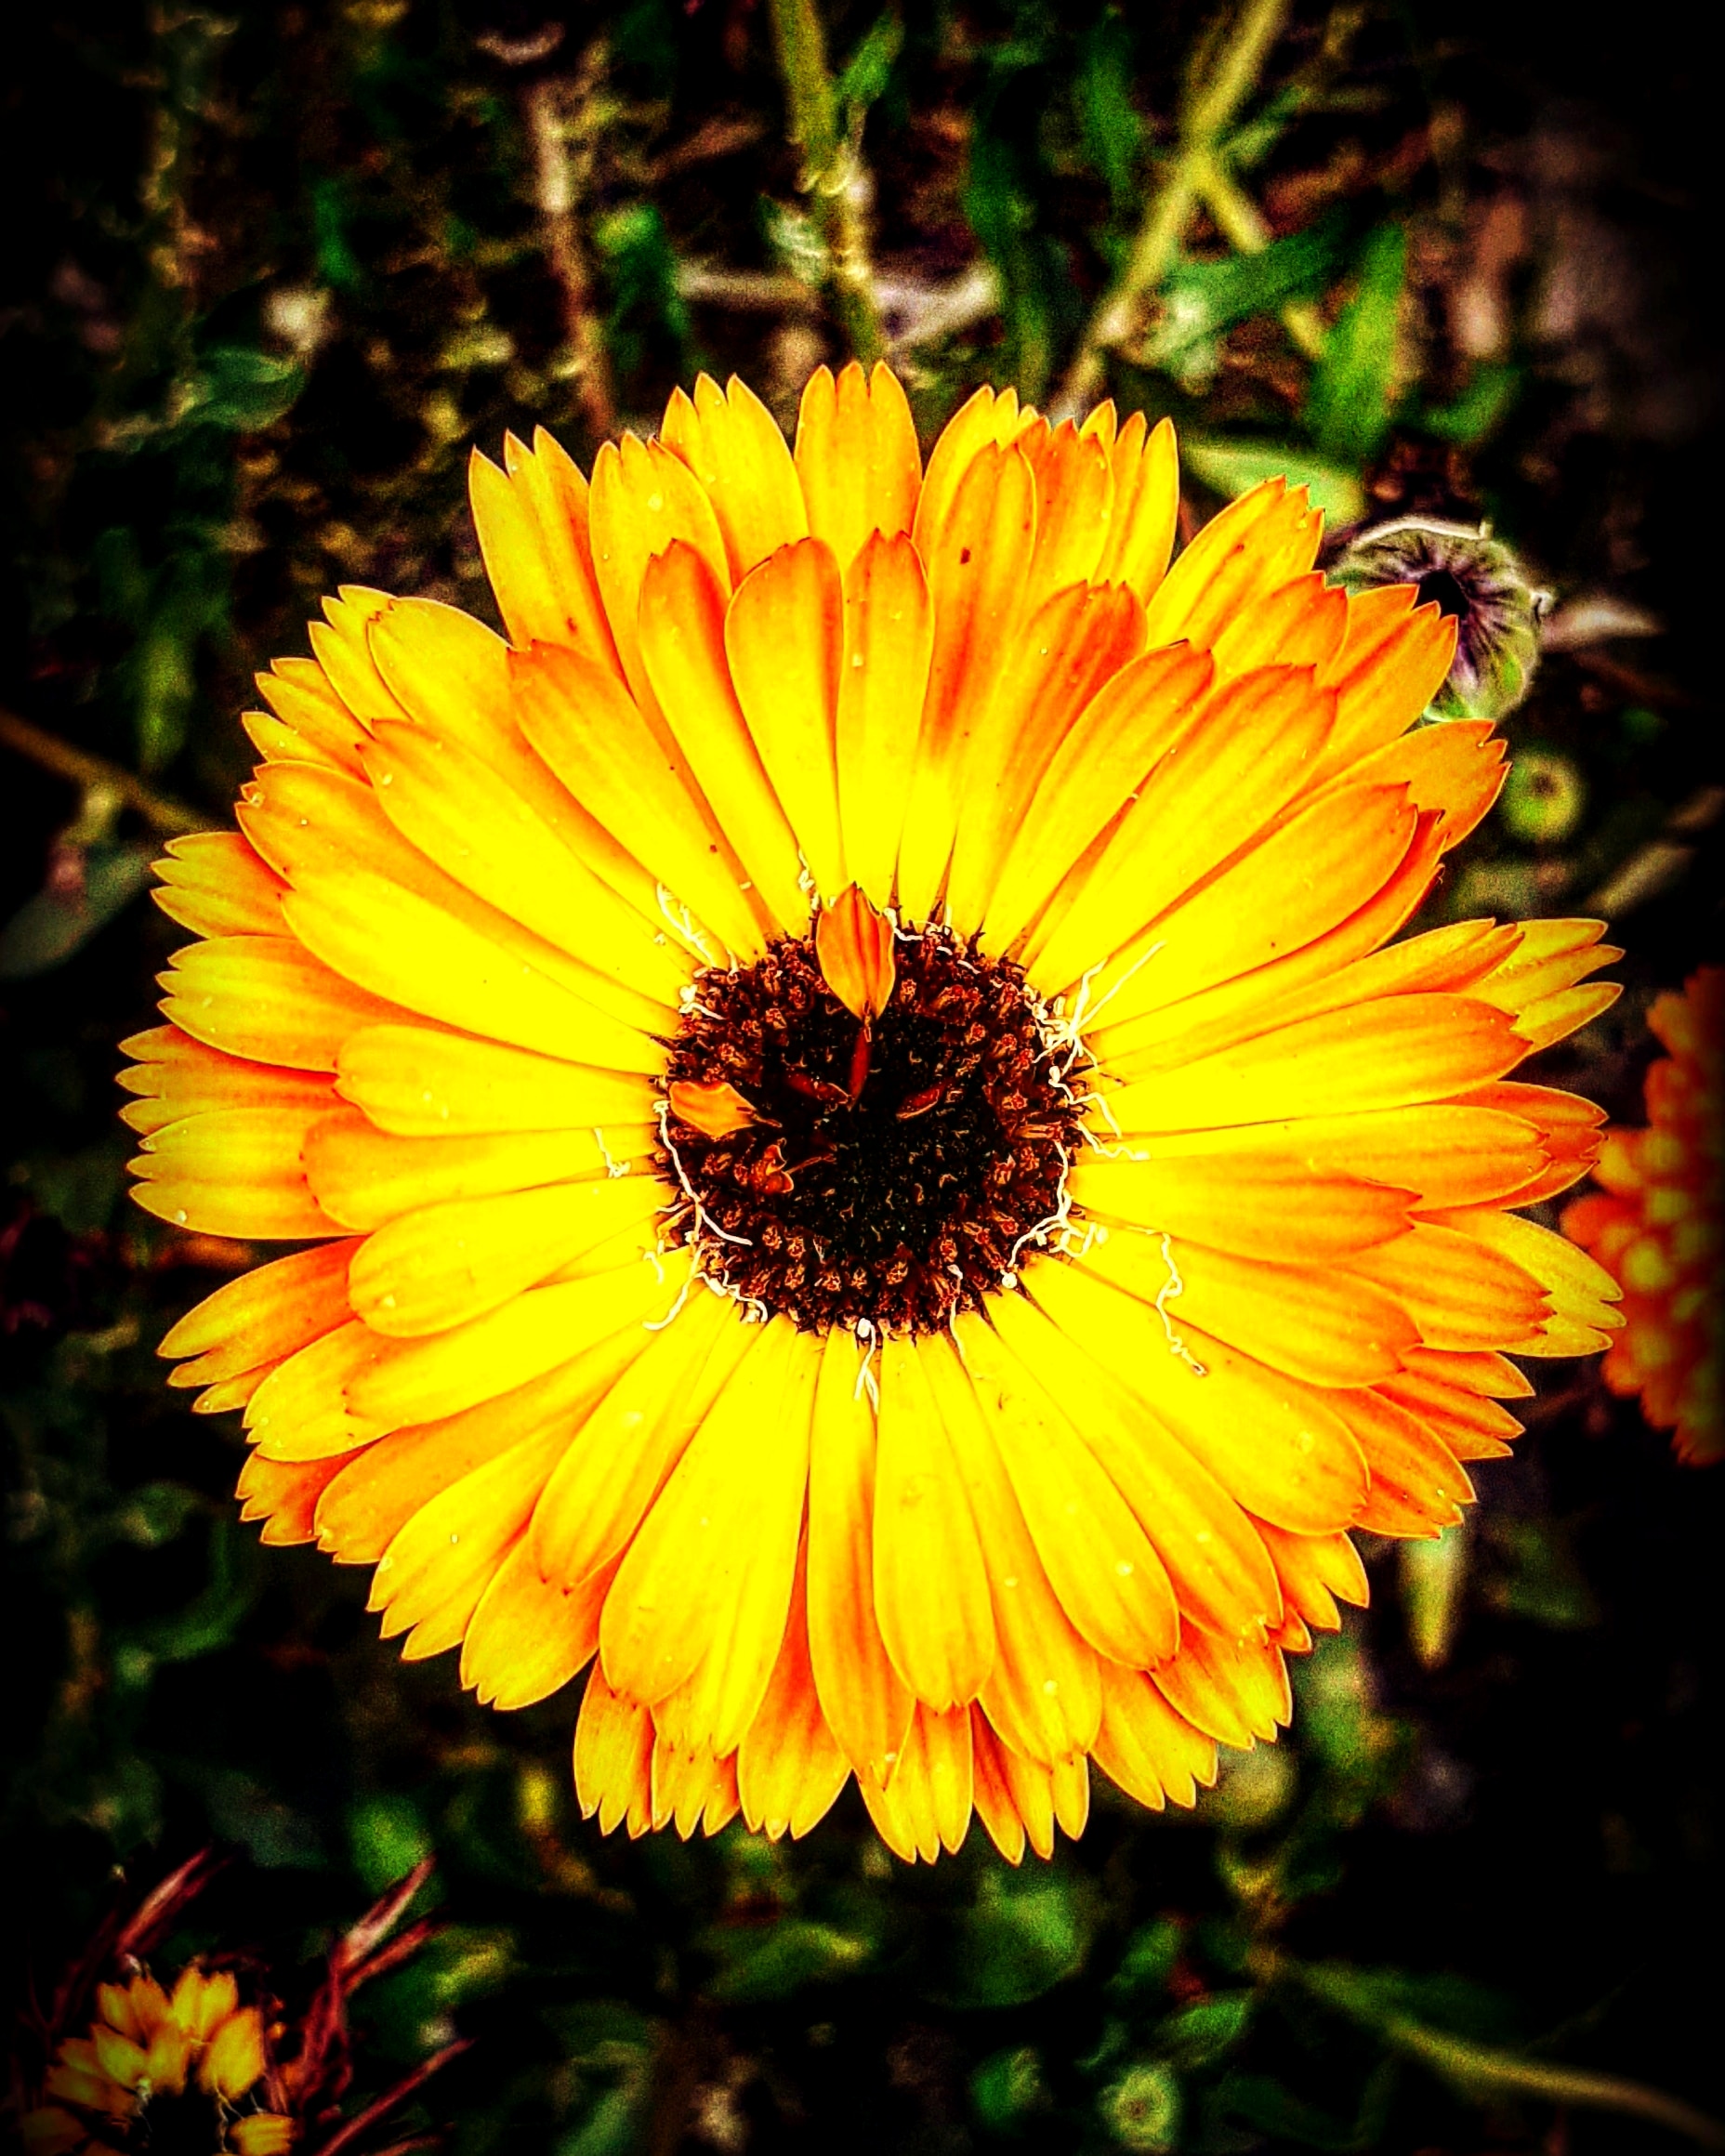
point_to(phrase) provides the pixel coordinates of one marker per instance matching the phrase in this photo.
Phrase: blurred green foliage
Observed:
(274, 273)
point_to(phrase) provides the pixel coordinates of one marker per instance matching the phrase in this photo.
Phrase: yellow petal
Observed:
(271, 1311)
(430, 1579)
(530, 518)
(379, 1491)
(706, 1589)
(783, 637)
(216, 885)
(1102, 761)
(1101, 1565)
(613, 1756)
(931, 1582)
(443, 1263)
(1146, 507)
(732, 444)
(789, 1768)
(364, 1177)
(857, 457)
(975, 556)
(267, 999)
(528, 1635)
(1272, 1443)
(401, 947)
(234, 1171)
(1256, 1203)
(415, 1082)
(1211, 1552)
(865, 1703)
(889, 642)
(1146, 1746)
(463, 817)
(683, 643)
(414, 1381)
(1399, 1051)
(643, 500)
(1061, 655)
(600, 744)
(1044, 1694)
(1219, 776)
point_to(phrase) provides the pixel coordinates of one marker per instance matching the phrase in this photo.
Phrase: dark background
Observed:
(270, 272)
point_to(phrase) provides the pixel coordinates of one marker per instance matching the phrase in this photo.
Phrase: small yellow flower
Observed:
(156, 2068)
(1658, 1224)
(865, 1158)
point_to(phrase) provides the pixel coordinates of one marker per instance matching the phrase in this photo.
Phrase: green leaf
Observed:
(244, 390)
(1007, 2088)
(47, 930)
(1347, 404)
(1024, 1933)
(1201, 299)
(773, 1961)
(1480, 409)
(1107, 120)
(864, 75)
(1206, 2029)
(209, 1621)
(1148, 1958)
(387, 1836)
(1232, 467)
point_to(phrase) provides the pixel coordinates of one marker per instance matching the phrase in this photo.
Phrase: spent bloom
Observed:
(1658, 1224)
(866, 1168)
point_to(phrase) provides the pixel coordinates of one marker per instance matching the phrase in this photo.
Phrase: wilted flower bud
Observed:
(1479, 581)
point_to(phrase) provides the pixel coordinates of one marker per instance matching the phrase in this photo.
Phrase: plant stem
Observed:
(1242, 225)
(170, 817)
(1482, 2070)
(560, 128)
(1210, 107)
(833, 174)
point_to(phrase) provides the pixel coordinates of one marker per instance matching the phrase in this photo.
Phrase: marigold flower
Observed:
(160, 2069)
(1659, 1222)
(1108, 1218)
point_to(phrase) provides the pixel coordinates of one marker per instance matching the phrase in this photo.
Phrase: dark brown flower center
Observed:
(872, 1175)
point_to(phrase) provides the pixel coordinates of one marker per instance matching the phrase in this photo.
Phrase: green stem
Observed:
(170, 817)
(1482, 2070)
(832, 177)
(1118, 319)
(1242, 225)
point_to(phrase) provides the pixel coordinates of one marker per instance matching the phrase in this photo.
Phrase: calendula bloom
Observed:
(868, 1165)
(1659, 1222)
(158, 2070)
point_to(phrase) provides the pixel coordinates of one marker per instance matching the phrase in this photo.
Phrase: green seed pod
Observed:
(1142, 2109)
(1477, 580)
(1543, 797)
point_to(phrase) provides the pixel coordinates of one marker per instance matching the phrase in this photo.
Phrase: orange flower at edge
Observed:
(1659, 1223)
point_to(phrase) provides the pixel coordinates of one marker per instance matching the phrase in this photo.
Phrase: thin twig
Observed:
(1118, 320)
(833, 176)
(558, 126)
(170, 817)
(361, 2122)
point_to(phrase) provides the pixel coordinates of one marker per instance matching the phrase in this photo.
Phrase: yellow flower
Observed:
(159, 2068)
(869, 1166)
(1659, 1223)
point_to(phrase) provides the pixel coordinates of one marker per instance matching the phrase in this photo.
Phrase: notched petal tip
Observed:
(853, 944)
